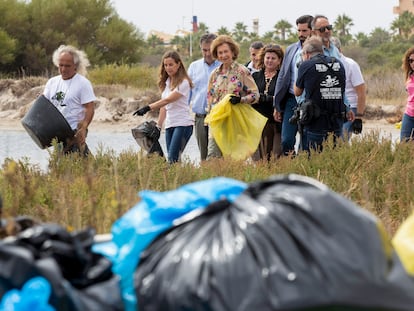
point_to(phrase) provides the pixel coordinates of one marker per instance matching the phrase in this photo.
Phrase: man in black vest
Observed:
(323, 79)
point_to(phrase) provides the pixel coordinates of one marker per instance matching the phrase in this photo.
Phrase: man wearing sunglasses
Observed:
(322, 29)
(323, 80)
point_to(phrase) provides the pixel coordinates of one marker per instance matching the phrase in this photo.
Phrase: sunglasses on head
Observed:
(323, 28)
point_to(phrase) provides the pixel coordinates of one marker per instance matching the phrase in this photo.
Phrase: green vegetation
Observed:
(77, 192)
(143, 77)
(31, 30)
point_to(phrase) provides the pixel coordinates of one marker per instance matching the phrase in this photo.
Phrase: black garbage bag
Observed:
(287, 243)
(146, 135)
(80, 279)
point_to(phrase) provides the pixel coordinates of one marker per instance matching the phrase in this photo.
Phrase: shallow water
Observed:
(18, 145)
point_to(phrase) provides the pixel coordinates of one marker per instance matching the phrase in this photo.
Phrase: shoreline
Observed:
(127, 125)
(95, 126)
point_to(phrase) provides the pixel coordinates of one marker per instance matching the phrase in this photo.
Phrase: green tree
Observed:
(283, 28)
(38, 27)
(223, 31)
(342, 25)
(268, 36)
(378, 36)
(117, 42)
(202, 28)
(240, 33)
(403, 24)
(154, 40)
(7, 48)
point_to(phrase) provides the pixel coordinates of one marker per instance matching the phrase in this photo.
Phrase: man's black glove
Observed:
(235, 99)
(264, 98)
(142, 111)
(357, 126)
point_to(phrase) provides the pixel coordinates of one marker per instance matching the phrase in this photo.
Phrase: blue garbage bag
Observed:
(154, 214)
(33, 296)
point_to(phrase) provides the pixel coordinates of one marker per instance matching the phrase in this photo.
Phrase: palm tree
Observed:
(203, 28)
(223, 31)
(240, 32)
(342, 25)
(403, 24)
(283, 28)
(154, 40)
(268, 36)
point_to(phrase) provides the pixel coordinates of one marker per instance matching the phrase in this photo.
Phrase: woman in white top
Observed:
(175, 85)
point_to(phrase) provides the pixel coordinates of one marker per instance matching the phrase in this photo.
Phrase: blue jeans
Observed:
(289, 130)
(347, 128)
(407, 128)
(315, 139)
(176, 139)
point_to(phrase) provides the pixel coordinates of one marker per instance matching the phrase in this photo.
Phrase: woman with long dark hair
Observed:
(175, 85)
(407, 125)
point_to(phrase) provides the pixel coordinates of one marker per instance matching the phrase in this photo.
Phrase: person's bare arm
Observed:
(174, 96)
(161, 117)
(298, 91)
(83, 125)
(361, 92)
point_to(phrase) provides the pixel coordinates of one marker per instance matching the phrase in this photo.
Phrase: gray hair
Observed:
(79, 58)
(256, 45)
(207, 37)
(313, 45)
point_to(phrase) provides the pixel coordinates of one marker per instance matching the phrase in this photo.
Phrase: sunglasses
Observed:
(322, 29)
(410, 60)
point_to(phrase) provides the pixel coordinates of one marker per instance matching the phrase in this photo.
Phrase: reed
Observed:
(372, 171)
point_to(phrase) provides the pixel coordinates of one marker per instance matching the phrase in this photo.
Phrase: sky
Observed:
(169, 16)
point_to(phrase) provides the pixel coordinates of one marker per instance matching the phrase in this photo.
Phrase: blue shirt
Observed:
(298, 59)
(332, 51)
(199, 72)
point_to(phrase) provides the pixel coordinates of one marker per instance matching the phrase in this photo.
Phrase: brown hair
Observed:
(225, 39)
(406, 65)
(179, 76)
(270, 48)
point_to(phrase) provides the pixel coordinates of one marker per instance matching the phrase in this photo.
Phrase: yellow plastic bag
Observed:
(237, 129)
(403, 242)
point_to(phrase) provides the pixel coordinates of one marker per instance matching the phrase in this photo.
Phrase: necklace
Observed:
(268, 79)
(267, 84)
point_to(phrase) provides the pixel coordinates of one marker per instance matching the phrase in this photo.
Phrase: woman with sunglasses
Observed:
(407, 125)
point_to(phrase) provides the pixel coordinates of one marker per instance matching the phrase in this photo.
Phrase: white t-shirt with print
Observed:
(178, 112)
(69, 96)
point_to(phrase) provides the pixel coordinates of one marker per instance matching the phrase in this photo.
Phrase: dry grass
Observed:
(76, 192)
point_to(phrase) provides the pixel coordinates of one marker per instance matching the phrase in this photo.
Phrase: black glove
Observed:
(142, 111)
(235, 99)
(357, 126)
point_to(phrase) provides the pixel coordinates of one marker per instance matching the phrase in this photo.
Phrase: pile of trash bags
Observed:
(45, 267)
(285, 243)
